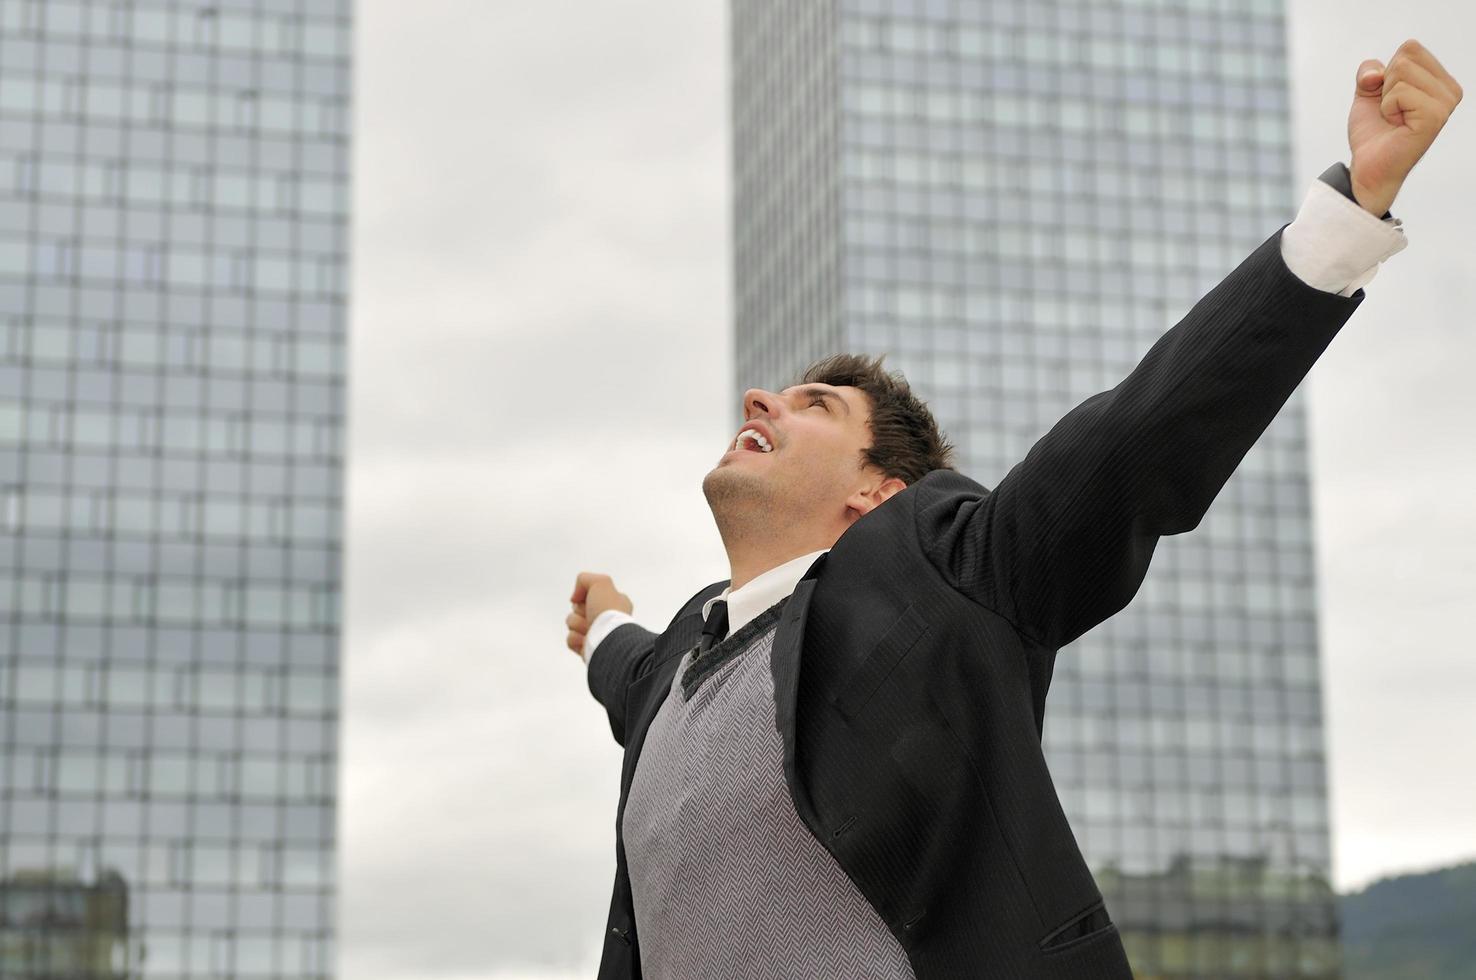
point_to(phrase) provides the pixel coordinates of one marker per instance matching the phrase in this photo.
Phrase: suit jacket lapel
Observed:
(785, 666)
(646, 694)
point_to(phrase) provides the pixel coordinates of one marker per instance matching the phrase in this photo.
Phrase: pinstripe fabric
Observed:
(727, 880)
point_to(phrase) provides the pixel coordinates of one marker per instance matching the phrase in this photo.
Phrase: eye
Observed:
(819, 400)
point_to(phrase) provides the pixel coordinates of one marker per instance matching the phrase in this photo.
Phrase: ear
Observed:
(866, 499)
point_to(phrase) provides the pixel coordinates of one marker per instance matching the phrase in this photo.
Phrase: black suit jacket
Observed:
(911, 663)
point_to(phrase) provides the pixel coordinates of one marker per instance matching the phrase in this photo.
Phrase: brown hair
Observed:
(905, 441)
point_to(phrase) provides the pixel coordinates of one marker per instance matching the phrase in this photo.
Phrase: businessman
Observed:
(832, 760)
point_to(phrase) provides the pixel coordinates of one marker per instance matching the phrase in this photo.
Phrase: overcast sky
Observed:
(539, 378)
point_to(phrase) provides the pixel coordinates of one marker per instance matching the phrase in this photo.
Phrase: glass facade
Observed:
(173, 246)
(1013, 199)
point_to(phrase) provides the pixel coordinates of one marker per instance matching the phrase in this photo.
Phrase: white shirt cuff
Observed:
(1335, 245)
(602, 627)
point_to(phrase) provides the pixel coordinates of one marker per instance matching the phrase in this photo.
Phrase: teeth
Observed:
(750, 435)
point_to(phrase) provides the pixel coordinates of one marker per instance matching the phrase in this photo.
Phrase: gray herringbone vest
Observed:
(727, 881)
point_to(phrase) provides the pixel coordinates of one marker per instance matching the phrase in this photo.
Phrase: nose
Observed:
(757, 401)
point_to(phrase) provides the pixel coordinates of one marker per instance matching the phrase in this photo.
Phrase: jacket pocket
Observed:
(1080, 930)
(877, 666)
(1086, 946)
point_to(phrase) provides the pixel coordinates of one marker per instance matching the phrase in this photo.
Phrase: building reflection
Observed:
(1224, 916)
(54, 926)
(174, 193)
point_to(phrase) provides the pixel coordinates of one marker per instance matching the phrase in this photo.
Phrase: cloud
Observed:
(480, 778)
(538, 381)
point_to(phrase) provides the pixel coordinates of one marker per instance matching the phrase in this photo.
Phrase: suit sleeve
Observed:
(1064, 541)
(623, 655)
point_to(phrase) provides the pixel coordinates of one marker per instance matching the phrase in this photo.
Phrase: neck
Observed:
(747, 563)
(760, 532)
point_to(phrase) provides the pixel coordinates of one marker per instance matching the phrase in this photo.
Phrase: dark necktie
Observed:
(715, 627)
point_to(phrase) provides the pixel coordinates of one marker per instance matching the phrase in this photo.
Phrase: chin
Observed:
(722, 475)
(727, 486)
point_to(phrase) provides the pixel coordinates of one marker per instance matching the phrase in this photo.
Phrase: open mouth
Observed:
(752, 440)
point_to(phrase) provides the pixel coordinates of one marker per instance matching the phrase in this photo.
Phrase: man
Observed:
(832, 761)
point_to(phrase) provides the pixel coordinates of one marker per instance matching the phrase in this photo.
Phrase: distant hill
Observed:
(1413, 927)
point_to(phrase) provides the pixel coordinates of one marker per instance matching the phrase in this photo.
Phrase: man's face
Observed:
(798, 453)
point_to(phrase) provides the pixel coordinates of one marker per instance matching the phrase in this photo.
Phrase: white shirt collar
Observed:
(763, 591)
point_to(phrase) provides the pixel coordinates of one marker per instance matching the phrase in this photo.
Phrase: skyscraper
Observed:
(173, 244)
(1013, 199)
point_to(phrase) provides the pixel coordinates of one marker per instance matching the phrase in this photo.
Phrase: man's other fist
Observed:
(593, 594)
(1397, 112)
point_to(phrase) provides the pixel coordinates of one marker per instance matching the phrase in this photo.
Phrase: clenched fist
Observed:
(593, 594)
(1397, 112)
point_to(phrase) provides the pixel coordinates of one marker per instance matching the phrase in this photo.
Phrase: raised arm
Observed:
(1065, 539)
(624, 650)
(624, 653)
